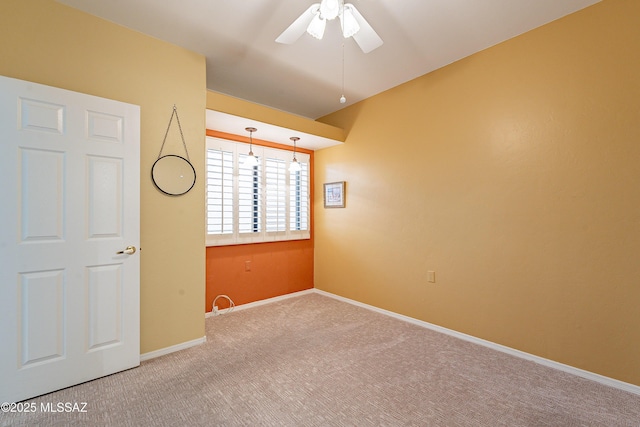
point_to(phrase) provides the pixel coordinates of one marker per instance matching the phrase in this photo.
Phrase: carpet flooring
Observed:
(312, 360)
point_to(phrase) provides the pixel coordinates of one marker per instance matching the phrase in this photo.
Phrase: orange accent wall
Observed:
(253, 272)
(276, 268)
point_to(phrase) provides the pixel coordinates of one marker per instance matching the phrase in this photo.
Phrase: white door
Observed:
(69, 201)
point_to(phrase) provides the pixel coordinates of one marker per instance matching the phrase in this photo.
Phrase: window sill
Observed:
(230, 242)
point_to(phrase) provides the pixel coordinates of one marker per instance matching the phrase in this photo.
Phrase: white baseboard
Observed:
(264, 301)
(621, 385)
(173, 348)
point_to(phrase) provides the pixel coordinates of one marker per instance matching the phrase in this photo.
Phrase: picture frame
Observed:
(334, 194)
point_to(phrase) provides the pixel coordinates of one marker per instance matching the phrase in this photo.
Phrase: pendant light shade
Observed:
(251, 160)
(294, 166)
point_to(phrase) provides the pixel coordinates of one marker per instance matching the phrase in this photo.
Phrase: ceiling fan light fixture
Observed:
(314, 21)
(316, 26)
(348, 22)
(329, 9)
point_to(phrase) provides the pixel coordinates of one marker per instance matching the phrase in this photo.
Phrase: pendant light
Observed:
(294, 166)
(251, 160)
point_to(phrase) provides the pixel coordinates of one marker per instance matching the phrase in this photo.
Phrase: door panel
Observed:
(41, 184)
(41, 116)
(41, 314)
(104, 197)
(104, 306)
(70, 302)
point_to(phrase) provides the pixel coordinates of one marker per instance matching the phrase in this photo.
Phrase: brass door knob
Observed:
(129, 250)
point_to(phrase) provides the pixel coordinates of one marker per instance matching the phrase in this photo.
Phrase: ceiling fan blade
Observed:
(366, 38)
(298, 27)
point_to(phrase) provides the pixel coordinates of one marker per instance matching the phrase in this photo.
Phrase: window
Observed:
(251, 204)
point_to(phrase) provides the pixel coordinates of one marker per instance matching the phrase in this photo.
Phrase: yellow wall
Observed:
(514, 174)
(45, 42)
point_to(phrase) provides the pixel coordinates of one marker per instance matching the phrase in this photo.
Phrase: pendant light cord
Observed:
(251, 130)
(294, 139)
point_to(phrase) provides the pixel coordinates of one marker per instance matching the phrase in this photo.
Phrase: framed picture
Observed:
(334, 194)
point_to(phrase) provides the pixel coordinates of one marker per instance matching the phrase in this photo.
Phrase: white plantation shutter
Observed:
(249, 197)
(299, 199)
(276, 194)
(255, 204)
(219, 192)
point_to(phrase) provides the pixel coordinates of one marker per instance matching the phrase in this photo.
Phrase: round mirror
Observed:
(173, 175)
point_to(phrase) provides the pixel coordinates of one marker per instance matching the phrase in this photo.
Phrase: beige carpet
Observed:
(315, 361)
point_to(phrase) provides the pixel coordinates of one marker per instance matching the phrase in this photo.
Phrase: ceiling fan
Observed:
(315, 18)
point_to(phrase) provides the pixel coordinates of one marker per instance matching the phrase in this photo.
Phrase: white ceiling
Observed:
(243, 60)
